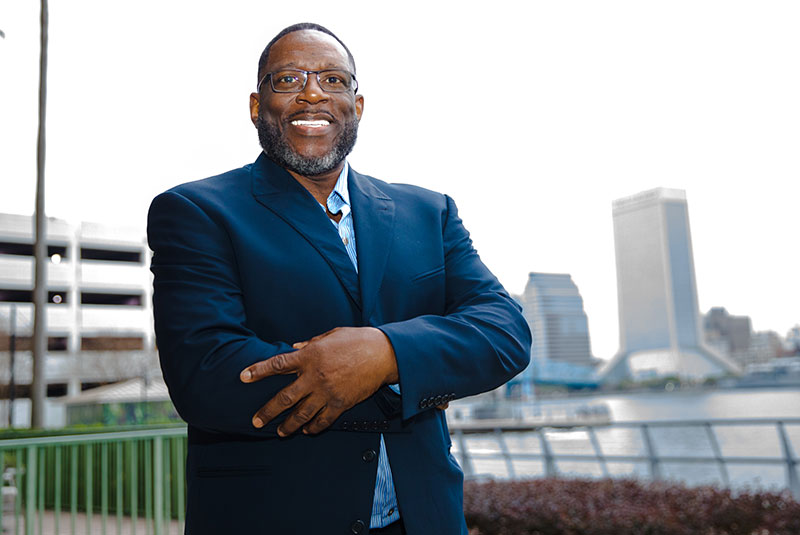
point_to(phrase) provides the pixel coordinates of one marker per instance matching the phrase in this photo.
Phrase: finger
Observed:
(303, 413)
(443, 406)
(282, 364)
(283, 400)
(323, 420)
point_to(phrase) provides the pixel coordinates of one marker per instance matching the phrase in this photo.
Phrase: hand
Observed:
(335, 371)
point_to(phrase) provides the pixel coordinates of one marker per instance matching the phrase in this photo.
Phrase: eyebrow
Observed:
(293, 65)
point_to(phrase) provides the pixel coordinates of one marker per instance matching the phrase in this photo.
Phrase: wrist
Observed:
(387, 358)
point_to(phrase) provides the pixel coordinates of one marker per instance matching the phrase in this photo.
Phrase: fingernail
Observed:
(257, 422)
(305, 431)
(245, 375)
(281, 433)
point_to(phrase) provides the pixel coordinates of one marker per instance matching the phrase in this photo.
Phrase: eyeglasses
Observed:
(294, 81)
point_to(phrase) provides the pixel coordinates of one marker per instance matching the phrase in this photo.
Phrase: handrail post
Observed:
(30, 489)
(550, 468)
(158, 484)
(466, 462)
(598, 451)
(792, 480)
(498, 433)
(723, 468)
(652, 456)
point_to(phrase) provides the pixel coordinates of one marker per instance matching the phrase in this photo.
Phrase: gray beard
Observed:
(278, 150)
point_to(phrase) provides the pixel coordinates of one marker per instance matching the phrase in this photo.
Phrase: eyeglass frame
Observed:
(305, 82)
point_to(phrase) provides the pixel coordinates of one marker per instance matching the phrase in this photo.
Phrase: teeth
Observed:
(314, 124)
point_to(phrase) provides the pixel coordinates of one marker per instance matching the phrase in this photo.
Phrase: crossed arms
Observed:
(477, 342)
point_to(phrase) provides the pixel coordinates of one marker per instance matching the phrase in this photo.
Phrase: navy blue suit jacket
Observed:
(245, 264)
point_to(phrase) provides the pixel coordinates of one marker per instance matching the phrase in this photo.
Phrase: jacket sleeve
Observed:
(479, 343)
(201, 327)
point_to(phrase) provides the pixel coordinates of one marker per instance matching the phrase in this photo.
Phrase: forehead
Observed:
(307, 50)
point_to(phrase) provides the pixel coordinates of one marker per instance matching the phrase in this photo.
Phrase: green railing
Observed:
(125, 482)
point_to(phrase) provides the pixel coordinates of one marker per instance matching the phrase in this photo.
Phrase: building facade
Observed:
(99, 311)
(659, 318)
(561, 351)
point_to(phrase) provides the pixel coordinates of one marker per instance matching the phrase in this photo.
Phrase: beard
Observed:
(279, 151)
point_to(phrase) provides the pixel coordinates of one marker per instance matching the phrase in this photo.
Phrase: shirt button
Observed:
(368, 456)
(345, 240)
(390, 512)
(357, 527)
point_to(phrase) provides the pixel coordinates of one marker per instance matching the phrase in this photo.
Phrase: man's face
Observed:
(310, 132)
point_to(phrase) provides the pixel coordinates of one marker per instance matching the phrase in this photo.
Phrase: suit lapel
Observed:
(373, 221)
(275, 188)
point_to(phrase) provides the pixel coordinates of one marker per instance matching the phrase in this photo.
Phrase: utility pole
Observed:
(38, 387)
(12, 350)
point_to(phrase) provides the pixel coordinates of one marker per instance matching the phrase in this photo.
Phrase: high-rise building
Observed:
(659, 319)
(561, 350)
(728, 334)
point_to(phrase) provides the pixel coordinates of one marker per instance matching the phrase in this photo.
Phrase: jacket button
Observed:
(357, 527)
(368, 456)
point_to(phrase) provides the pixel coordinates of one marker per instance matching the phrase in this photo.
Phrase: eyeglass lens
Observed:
(291, 81)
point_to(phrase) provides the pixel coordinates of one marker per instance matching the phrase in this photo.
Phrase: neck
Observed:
(320, 186)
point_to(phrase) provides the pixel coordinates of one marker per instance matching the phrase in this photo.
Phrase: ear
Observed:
(255, 100)
(359, 106)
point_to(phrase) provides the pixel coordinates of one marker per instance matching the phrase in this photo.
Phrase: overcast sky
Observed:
(532, 118)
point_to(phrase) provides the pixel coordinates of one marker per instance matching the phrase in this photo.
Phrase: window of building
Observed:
(26, 249)
(92, 298)
(112, 343)
(25, 343)
(111, 255)
(57, 297)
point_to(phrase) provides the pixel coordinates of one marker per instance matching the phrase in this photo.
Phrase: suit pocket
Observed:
(428, 274)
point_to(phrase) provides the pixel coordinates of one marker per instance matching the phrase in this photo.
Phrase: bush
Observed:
(624, 507)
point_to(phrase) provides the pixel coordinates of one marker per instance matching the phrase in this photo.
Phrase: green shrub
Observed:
(624, 507)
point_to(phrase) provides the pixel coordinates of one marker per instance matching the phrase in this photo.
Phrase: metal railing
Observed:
(124, 482)
(759, 432)
(133, 482)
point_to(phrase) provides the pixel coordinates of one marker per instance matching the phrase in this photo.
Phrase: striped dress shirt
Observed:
(384, 504)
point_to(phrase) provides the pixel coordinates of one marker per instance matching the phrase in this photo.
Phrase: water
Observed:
(681, 441)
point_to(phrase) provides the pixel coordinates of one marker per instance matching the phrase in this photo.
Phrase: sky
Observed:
(533, 116)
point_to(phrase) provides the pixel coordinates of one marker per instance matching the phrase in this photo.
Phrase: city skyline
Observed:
(618, 98)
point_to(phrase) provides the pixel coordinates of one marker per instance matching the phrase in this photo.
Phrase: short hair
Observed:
(300, 26)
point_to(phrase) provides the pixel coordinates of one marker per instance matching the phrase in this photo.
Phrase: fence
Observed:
(684, 438)
(133, 481)
(123, 482)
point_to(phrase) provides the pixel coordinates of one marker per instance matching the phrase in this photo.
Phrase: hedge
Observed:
(623, 507)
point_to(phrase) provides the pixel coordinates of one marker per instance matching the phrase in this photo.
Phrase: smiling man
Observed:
(313, 322)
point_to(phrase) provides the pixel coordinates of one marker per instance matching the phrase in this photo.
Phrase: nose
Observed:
(312, 93)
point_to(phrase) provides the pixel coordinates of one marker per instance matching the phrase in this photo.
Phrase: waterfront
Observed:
(675, 441)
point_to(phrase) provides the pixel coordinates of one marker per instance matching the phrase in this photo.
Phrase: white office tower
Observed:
(659, 319)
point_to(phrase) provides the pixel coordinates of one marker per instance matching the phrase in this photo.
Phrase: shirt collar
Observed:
(339, 191)
(341, 184)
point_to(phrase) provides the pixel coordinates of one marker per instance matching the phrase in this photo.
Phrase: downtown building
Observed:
(661, 329)
(99, 311)
(561, 351)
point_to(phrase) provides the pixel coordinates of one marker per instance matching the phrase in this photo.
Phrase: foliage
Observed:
(623, 507)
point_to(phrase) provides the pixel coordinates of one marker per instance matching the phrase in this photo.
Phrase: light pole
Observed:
(12, 350)
(38, 386)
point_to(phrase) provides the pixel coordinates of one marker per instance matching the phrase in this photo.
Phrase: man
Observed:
(313, 321)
